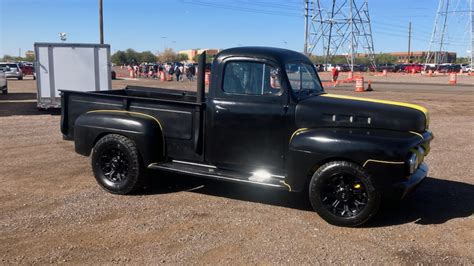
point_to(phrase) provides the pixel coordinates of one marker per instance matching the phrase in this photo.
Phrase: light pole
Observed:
(164, 42)
(101, 22)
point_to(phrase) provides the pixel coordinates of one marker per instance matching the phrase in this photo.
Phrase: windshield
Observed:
(303, 79)
(8, 65)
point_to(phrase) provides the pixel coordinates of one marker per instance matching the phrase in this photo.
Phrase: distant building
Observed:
(29, 53)
(193, 52)
(420, 56)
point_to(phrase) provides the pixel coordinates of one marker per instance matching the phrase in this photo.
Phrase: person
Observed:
(178, 73)
(130, 71)
(135, 70)
(192, 72)
(181, 70)
(335, 74)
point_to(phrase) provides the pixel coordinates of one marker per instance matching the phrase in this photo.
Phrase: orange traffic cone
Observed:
(452, 79)
(359, 86)
(369, 86)
(207, 77)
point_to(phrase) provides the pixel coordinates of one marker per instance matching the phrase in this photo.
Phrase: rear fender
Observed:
(143, 129)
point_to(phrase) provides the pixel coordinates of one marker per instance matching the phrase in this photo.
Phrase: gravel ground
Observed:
(52, 211)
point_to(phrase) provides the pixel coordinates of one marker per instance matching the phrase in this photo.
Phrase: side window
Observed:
(251, 78)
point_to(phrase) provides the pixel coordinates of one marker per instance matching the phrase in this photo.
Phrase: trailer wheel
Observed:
(343, 194)
(116, 164)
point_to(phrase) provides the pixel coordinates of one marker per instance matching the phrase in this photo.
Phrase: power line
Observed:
(242, 9)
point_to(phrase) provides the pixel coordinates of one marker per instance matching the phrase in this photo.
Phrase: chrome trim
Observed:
(195, 164)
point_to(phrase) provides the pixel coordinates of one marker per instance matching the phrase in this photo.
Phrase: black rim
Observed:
(114, 165)
(344, 195)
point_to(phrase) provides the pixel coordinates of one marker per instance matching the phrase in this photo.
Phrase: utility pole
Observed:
(471, 7)
(306, 14)
(101, 22)
(409, 42)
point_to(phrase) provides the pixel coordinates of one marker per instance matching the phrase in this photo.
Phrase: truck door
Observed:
(245, 127)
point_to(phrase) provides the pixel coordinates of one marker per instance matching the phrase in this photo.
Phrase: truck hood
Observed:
(330, 110)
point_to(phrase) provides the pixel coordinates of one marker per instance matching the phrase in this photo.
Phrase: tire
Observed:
(5, 91)
(342, 193)
(116, 164)
(20, 77)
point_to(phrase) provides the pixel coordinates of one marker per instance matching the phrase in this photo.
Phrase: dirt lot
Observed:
(52, 211)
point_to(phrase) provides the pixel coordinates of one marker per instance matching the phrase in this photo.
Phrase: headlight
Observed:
(412, 163)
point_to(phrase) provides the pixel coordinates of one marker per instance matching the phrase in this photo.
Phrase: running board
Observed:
(212, 172)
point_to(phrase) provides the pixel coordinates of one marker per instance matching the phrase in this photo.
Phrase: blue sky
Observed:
(184, 24)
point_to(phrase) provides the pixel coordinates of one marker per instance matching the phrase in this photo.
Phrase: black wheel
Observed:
(342, 193)
(20, 78)
(5, 91)
(116, 164)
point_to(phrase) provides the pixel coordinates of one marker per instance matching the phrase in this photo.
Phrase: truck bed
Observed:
(174, 109)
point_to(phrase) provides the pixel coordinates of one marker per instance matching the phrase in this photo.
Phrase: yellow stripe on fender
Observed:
(409, 105)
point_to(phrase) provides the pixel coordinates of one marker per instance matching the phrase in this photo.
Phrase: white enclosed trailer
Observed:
(70, 66)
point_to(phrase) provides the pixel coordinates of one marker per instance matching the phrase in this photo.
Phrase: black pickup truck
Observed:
(265, 121)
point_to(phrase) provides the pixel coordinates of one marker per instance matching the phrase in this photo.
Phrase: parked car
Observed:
(388, 67)
(266, 121)
(27, 69)
(14, 70)
(410, 68)
(469, 69)
(3, 80)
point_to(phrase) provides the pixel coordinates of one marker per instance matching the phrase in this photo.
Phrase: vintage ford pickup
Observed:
(266, 121)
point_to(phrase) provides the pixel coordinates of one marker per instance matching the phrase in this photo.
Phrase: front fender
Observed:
(143, 129)
(311, 148)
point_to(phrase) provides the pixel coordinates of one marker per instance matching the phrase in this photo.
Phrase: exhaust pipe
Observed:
(201, 86)
(201, 90)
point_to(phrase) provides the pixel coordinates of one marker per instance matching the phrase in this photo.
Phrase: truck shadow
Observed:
(173, 183)
(436, 201)
(22, 104)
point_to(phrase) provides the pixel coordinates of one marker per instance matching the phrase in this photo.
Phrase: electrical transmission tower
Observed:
(339, 27)
(449, 10)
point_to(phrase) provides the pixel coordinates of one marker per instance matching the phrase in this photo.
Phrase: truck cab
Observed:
(267, 121)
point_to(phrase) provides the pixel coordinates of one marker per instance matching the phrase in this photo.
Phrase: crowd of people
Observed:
(163, 71)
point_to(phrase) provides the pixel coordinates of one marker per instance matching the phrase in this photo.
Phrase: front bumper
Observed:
(404, 188)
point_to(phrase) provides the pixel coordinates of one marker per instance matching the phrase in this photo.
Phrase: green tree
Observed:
(183, 57)
(168, 55)
(209, 58)
(119, 58)
(385, 58)
(362, 60)
(132, 56)
(147, 57)
(29, 58)
(462, 60)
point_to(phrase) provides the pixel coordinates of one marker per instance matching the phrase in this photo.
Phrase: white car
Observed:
(469, 69)
(3, 82)
(12, 70)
